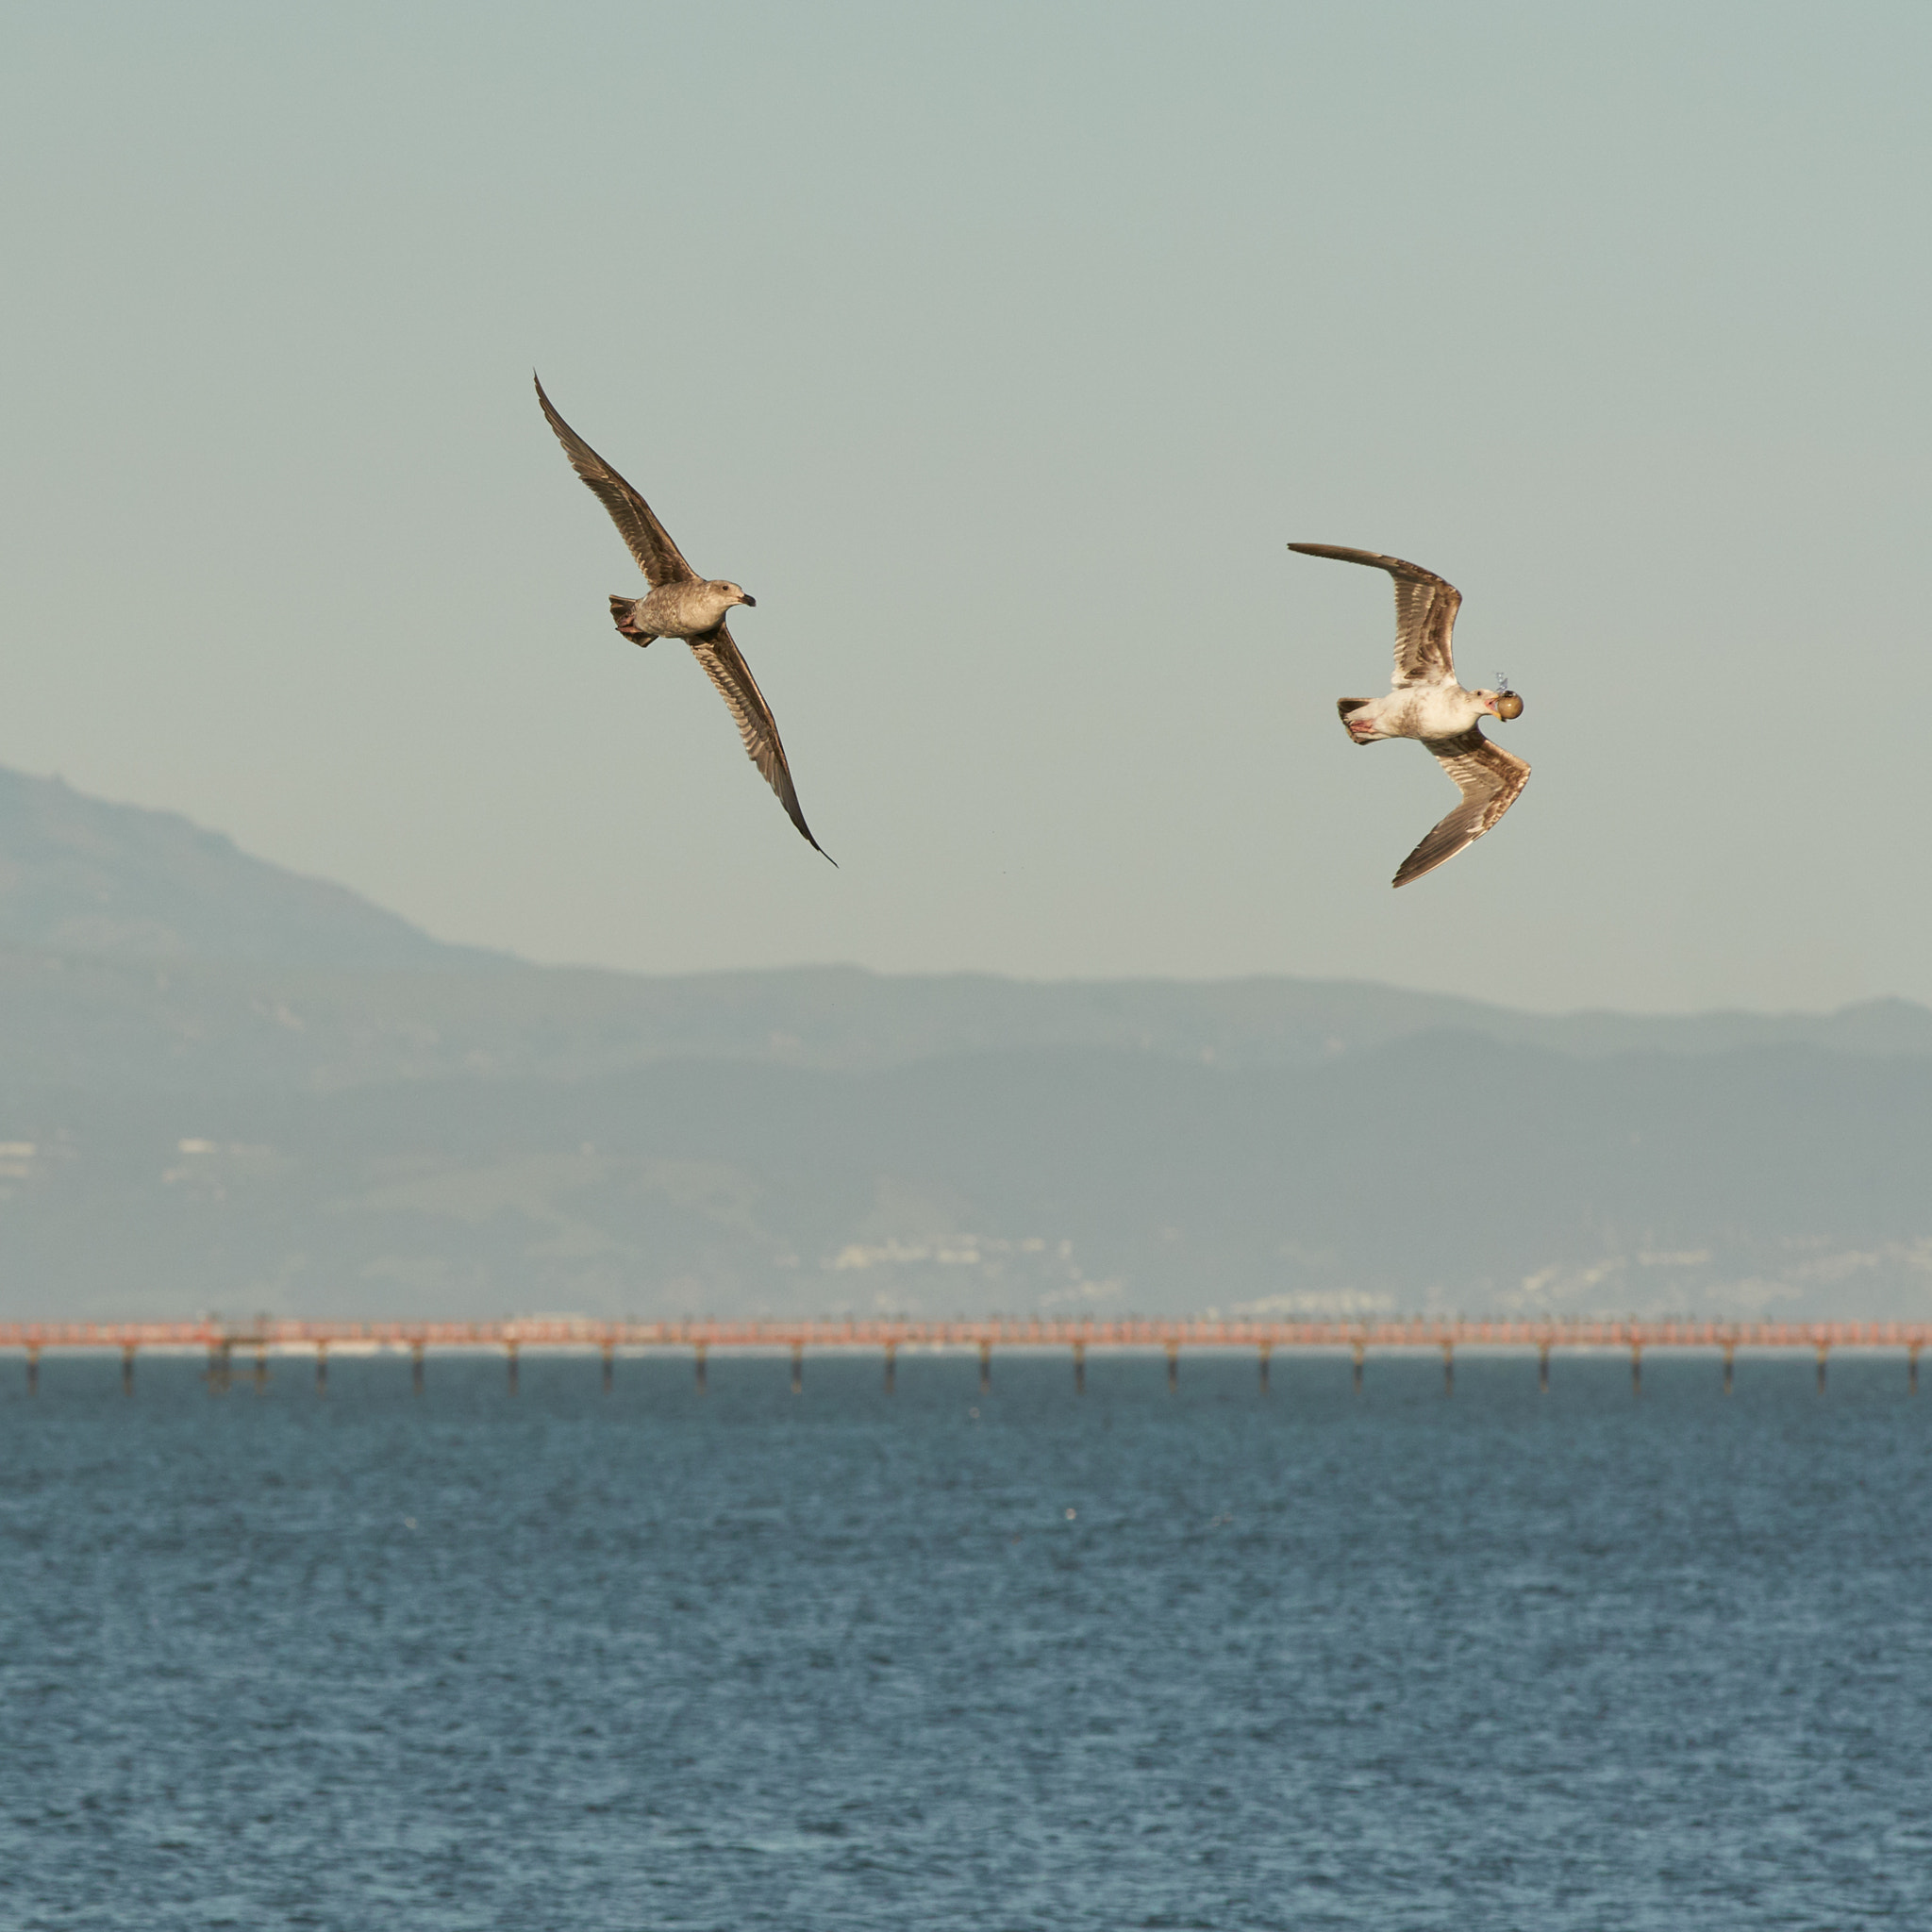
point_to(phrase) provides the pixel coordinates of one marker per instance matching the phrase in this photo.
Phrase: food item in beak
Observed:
(1509, 706)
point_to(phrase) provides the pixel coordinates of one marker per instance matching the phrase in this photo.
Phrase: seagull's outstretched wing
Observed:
(740, 690)
(650, 543)
(1425, 608)
(1488, 779)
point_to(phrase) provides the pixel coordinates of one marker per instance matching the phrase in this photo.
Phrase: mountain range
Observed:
(224, 1086)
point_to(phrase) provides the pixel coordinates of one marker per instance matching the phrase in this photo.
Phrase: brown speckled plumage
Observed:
(681, 604)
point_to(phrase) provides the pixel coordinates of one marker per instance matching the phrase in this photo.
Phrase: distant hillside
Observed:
(224, 1086)
(108, 1021)
(1434, 1174)
(78, 876)
(138, 951)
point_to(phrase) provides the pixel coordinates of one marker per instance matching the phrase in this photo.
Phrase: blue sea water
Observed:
(651, 1659)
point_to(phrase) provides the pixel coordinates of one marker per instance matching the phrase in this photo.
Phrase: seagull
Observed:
(1428, 703)
(681, 604)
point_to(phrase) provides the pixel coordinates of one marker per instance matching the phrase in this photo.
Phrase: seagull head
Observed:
(1502, 702)
(735, 593)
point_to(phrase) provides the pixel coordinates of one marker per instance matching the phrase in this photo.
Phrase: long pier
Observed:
(888, 1337)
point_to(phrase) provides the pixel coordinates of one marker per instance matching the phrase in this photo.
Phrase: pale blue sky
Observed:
(999, 351)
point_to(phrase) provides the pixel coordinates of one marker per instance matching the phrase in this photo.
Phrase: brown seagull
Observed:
(1427, 702)
(681, 604)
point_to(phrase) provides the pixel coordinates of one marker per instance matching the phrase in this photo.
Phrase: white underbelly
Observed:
(1432, 712)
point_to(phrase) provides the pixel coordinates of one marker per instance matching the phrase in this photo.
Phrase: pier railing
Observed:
(1542, 1337)
(575, 1331)
(547, 1331)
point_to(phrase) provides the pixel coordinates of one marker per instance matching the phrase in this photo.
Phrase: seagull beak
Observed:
(749, 603)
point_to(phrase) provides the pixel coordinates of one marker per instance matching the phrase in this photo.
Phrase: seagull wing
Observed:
(740, 690)
(1425, 608)
(1488, 779)
(650, 543)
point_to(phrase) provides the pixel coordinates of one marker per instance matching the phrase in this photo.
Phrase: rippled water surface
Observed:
(836, 1661)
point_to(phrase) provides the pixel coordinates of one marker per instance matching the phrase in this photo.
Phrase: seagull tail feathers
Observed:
(622, 614)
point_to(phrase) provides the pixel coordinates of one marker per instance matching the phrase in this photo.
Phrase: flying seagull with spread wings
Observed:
(681, 604)
(1427, 702)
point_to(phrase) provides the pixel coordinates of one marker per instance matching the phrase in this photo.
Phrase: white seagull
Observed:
(1427, 702)
(681, 604)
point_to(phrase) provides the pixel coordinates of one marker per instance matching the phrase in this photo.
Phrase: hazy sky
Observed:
(998, 351)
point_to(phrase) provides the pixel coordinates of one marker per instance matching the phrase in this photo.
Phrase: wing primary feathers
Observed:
(648, 540)
(727, 670)
(1490, 778)
(1425, 608)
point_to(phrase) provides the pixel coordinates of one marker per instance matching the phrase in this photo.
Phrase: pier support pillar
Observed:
(1358, 1352)
(261, 1367)
(1912, 1369)
(891, 1365)
(702, 1385)
(127, 1367)
(1730, 1357)
(1174, 1366)
(1448, 1367)
(610, 1362)
(1080, 1367)
(1542, 1368)
(1824, 1350)
(416, 1366)
(224, 1365)
(509, 1350)
(1264, 1352)
(322, 1368)
(985, 1368)
(798, 1368)
(1637, 1368)
(33, 1368)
